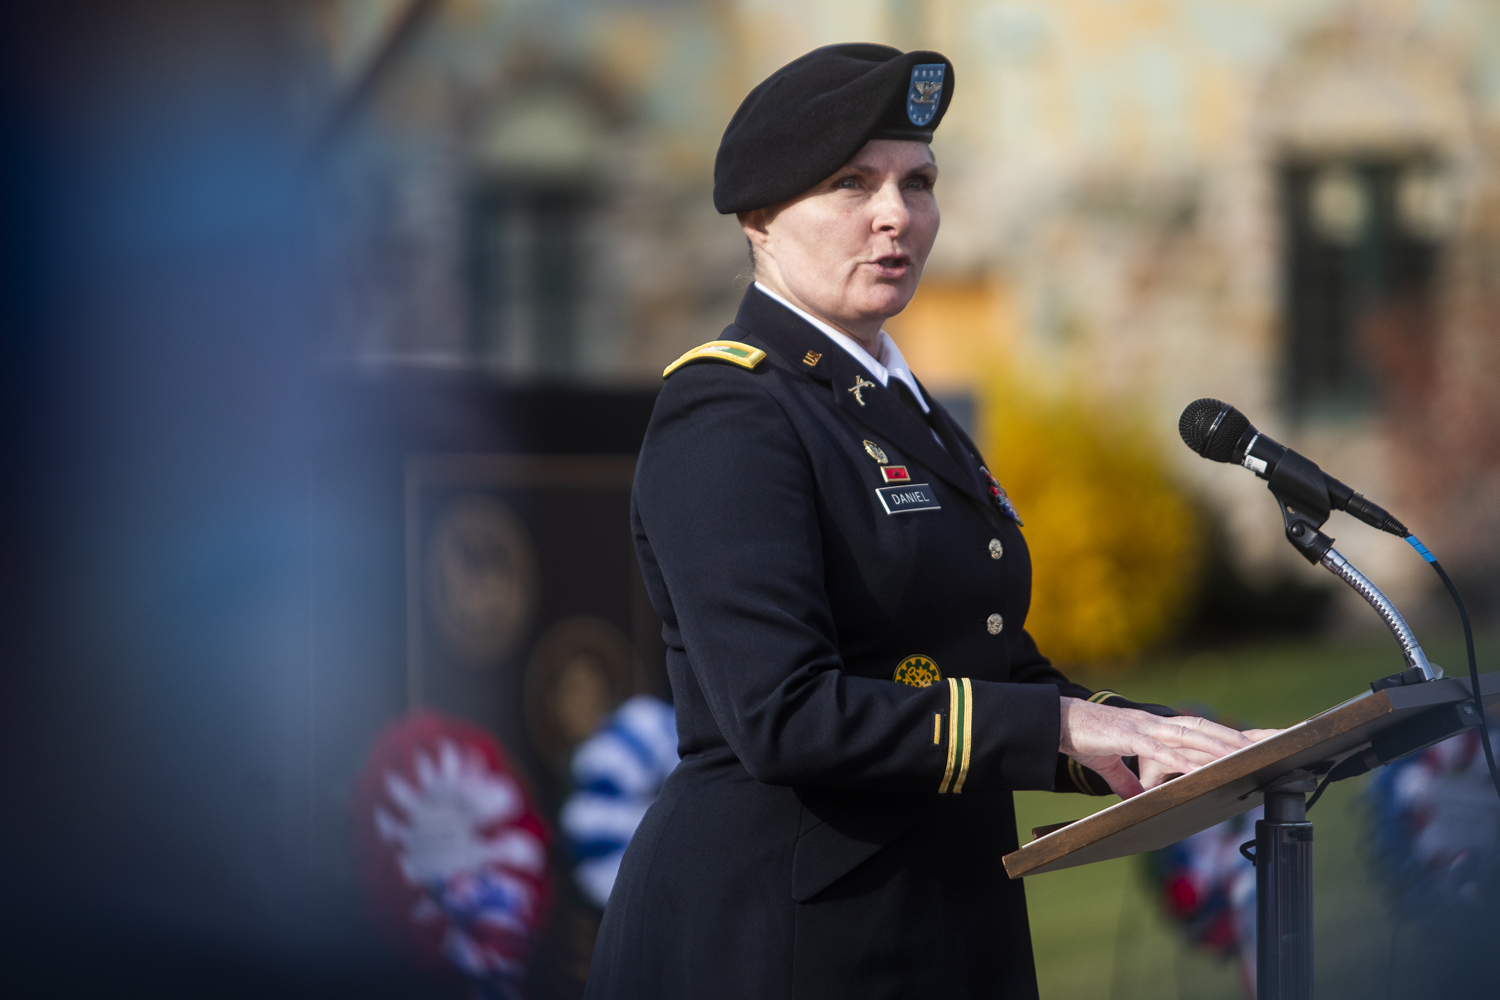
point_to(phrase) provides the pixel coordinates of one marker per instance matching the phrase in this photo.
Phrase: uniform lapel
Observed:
(875, 406)
(955, 439)
(884, 413)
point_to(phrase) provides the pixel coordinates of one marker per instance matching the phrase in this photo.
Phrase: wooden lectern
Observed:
(1370, 730)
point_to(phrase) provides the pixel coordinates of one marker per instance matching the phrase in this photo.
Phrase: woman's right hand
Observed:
(1099, 736)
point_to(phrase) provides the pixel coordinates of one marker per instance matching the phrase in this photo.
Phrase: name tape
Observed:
(906, 498)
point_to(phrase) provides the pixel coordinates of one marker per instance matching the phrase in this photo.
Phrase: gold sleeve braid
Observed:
(960, 735)
(1080, 778)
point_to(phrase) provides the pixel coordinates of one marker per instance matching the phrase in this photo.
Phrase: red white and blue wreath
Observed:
(452, 851)
(1437, 826)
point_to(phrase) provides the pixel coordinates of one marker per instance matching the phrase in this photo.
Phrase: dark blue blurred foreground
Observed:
(188, 595)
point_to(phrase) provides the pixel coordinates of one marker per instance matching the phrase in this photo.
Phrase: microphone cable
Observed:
(1463, 614)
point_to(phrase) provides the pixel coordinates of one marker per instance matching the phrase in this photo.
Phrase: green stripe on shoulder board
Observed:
(732, 351)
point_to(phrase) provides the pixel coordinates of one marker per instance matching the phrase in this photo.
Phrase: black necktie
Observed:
(903, 392)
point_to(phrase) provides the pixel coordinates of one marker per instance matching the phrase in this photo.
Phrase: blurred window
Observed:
(530, 277)
(1363, 241)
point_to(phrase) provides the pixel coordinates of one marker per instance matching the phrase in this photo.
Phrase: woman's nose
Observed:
(891, 215)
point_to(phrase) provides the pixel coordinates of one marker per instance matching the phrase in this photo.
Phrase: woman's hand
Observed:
(1154, 773)
(1098, 736)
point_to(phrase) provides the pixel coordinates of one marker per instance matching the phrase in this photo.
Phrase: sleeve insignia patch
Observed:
(917, 671)
(731, 351)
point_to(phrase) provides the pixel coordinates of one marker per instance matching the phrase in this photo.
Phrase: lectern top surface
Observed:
(1232, 784)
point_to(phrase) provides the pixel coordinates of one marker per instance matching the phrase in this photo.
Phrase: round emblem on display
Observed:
(996, 549)
(581, 670)
(917, 671)
(994, 623)
(875, 451)
(481, 585)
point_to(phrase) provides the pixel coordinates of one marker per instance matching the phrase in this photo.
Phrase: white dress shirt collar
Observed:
(889, 362)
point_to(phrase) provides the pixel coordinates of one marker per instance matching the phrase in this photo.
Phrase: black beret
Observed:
(812, 115)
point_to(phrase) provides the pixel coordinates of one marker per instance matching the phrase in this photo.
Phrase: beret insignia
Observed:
(807, 119)
(925, 92)
(731, 351)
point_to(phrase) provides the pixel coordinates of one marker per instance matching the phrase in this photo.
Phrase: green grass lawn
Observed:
(1098, 931)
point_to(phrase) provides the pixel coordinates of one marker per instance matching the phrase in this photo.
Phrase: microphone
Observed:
(1220, 433)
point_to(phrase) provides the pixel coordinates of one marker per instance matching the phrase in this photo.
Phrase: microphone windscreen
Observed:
(1198, 430)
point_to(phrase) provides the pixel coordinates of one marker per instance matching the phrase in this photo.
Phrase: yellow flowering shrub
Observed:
(1113, 542)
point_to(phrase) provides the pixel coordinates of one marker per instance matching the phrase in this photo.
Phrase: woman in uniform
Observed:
(844, 589)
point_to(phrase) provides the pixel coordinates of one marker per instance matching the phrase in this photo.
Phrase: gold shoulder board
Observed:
(732, 351)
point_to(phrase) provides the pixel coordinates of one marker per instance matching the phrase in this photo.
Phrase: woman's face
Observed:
(851, 250)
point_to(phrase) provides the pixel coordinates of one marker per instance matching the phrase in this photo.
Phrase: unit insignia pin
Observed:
(812, 358)
(1001, 498)
(874, 451)
(860, 383)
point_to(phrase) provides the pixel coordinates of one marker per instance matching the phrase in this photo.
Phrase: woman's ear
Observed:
(754, 224)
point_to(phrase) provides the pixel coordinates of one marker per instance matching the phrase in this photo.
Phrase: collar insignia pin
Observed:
(875, 451)
(811, 358)
(860, 383)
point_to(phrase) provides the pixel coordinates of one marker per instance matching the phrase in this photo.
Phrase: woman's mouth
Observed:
(892, 265)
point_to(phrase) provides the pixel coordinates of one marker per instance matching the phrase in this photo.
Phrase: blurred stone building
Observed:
(1290, 204)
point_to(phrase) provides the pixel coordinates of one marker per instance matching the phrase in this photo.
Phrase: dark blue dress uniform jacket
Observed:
(830, 832)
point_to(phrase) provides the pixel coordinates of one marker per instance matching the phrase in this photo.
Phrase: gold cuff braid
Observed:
(960, 735)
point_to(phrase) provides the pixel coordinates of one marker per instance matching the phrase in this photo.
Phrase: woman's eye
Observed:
(847, 183)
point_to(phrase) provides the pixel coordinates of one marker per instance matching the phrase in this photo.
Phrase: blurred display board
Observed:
(524, 608)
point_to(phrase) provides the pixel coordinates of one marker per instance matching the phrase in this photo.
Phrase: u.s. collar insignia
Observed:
(876, 452)
(917, 671)
(859, 384)
(1001, 498)
(925, 92)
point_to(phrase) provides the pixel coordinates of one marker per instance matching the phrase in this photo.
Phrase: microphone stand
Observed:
(1284, 838)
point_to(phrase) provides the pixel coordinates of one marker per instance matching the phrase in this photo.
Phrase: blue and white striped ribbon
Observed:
(617, 774)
